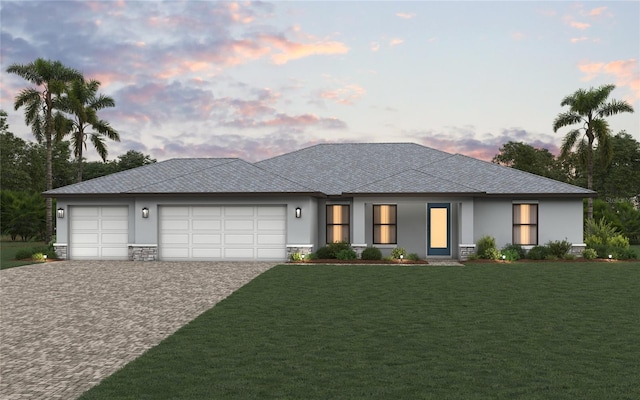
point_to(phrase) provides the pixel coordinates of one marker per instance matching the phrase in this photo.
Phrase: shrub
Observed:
(337, 247)
(371, 253)
(589, 254)
(413, 257)
(296, 257)
(492, 254)
(397, 252)
(486, 246)
(559, 248)
(569, 257)
(311, 256)
(346, 254)
(38, 257)
(508, 248)
(538, 253)
(605, 239)
(324, 253)
(626, 254)
(511, 254)
(24, 253)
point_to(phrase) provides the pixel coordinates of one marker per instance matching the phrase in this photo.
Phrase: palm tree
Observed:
(589, 108)
(51, 79)
(83, 103)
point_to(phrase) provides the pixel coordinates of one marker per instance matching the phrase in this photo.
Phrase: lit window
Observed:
(525, 224)
(384, 224)
(337, 223)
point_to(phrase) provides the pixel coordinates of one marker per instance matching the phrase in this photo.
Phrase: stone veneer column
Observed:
(61, 250)
(143, 252)
(466, 250)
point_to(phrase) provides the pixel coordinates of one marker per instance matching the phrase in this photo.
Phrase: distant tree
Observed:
(13, 175)
(22, 214)
(620, 178)
(527, 158)
(96, 169)
(589, 108)
(83, 103)
(133, 159)
(41, 103)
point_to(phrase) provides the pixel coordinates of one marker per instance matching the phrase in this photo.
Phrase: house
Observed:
(430, 202)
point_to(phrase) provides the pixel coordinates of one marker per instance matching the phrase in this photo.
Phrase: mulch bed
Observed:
(358, 261)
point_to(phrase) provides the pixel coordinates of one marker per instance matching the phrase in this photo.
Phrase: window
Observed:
(525, 224)
(384, 224)
(337, 223)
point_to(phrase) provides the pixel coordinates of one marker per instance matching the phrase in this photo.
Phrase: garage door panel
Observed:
(271, 254)
(277, 212)
(114, 238)
(115, 225)
(239, 253)
(207, 211)
(84, 238)
(207, 253)
(206, 239)
(116, 212)
(92, 212)
(238, 225)
(222, 232)
(89, 225)
(271, 239)
(86, 252)
(238, 211)
(271, 225)
(114, 253)
(207, 225)
(174, 239)
(238, 239)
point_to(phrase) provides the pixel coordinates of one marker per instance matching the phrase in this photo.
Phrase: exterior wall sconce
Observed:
(145, 212)
(298, 212)
(60, 212)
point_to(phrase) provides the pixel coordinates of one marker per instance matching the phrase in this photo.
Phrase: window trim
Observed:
(395, 225)
(330, 224)
(518, 224)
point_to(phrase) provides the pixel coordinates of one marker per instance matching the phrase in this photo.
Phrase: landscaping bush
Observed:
(559, 248)
(28, 252)
(38, 257)
(538, 253)
(511, 254)
(311, 256)
(346, 254)
(509, 248)
(492, 254)
(605, 239)
(371, 253)
(325, 253)
(413, 257)
(296, 257)
(589, 254)
(397, 252)
(487, 247)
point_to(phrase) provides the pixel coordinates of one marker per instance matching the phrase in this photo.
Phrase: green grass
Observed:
(8, 250)
(484, 331)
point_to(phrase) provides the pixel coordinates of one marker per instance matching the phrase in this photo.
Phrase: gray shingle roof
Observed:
(330, 169)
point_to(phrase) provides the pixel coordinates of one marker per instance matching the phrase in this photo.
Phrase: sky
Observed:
(258, 79)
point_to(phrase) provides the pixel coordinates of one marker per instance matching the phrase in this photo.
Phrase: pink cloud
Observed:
(579, 25)
(580, 39)
(294, 50)
(405, 15)
(597, 11)
(625, 72)
(346, 95)
(395, 42)
(374, 46)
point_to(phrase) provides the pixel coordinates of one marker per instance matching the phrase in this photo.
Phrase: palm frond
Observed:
(614, 107)
(99, 145)
(566, 119)
(569, 142)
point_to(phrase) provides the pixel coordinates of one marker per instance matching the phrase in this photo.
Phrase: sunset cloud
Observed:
(625, 72)
(346, 95)
(597, 11)
(579, 25)
(579, 39)
(290, 50)
(406, 15)
(395, 42)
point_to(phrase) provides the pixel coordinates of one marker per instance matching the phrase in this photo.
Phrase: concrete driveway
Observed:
(64, 326)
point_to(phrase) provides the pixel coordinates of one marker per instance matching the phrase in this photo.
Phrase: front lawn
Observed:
(484, 331)
(8, 250)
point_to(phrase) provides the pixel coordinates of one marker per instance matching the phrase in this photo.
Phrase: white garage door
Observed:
(99, 233)
(222, 233)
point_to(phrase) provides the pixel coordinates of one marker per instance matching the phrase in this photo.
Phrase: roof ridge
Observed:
(285, 178)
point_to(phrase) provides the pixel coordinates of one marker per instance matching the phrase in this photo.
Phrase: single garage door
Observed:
(99, 233)
(222, 233)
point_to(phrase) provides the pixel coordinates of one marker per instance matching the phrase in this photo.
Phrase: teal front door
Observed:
(438, 229)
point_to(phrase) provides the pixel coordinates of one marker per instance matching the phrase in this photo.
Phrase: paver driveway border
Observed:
(64, 326)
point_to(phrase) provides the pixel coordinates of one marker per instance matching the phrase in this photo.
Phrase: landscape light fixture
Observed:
(60, 212)
(298, 212)
(145, 212)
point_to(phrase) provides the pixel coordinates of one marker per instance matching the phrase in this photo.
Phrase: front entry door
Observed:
(438, 229)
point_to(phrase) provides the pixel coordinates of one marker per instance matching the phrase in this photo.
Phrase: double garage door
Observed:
(184, 233)
(222, 233)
